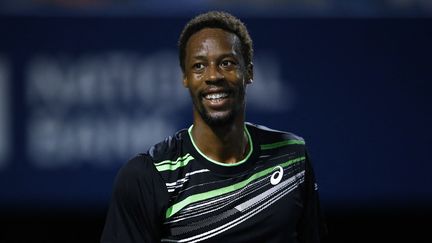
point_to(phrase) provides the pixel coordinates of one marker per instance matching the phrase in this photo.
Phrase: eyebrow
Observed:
(228, 54)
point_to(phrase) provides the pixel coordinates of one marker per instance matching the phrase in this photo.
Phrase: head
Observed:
(215, 52)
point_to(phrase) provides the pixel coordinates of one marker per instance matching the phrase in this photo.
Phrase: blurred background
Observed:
(87, 84)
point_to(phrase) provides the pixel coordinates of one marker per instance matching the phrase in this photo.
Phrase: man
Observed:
(221, 179)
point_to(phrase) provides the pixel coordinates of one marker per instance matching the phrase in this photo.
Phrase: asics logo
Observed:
(277, 175)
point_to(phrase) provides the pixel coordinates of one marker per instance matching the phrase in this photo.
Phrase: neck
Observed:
(226, 144)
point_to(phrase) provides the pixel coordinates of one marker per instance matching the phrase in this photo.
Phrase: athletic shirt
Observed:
(174, 193)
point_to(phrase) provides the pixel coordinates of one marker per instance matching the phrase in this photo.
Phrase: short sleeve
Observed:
(311, 228)
(137, 204)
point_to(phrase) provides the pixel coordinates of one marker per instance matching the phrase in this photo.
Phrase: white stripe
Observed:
(208, 183)
(246, 216)
(253, 201)
(203, 208)
(223, 198)
(202, 211)
(237, 221)
(186, 177)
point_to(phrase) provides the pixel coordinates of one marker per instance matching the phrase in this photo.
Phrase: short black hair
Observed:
(216, 19)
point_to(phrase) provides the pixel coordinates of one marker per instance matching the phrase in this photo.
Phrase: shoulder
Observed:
(167, 149)
(142, 167)
(137, 170)
(268, 136)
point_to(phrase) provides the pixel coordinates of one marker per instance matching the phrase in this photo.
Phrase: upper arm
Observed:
(136, 208)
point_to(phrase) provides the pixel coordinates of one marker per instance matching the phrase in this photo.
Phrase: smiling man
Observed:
(221, 179)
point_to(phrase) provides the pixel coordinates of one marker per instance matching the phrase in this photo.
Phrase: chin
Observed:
(218, 120)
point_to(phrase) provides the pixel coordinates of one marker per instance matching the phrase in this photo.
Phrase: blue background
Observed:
(362, 102)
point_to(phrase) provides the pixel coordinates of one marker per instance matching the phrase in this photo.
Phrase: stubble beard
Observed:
(216, 119)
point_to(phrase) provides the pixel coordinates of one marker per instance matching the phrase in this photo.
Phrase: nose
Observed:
(214, 74)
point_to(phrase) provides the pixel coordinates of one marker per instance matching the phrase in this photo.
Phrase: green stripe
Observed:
(281, 144)
(217, 192)
(172, 161)
(173, 165)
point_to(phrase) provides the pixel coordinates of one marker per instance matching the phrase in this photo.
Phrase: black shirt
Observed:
(174, 193)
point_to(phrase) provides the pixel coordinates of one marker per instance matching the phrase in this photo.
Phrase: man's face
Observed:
(216, 75)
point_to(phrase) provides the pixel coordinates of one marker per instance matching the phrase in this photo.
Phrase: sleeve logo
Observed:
(277, 175)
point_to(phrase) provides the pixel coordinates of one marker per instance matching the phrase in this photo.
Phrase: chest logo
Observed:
(277, 175)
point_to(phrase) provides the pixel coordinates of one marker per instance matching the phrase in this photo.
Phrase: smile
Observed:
(215, 96)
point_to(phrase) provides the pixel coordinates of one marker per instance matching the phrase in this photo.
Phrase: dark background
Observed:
(362, 102)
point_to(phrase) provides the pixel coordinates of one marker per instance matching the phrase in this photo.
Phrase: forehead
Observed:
(212, 39)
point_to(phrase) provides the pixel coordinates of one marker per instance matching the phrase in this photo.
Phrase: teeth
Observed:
(216, 96)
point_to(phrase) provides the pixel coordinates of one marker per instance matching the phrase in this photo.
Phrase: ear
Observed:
(185, 82)
(249, 73)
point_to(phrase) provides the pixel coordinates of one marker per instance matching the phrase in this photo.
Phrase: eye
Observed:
(198, 66)
(227, 63)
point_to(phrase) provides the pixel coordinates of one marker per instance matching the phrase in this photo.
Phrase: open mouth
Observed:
(216, 96)
(218, 99)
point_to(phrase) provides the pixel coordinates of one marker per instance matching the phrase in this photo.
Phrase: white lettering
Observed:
(100, 108)
(105, 107)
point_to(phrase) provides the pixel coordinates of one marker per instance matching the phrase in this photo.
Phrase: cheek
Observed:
(198, 77)
(193, 82)
(240, 73)
(234, 74)
(239, 77)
